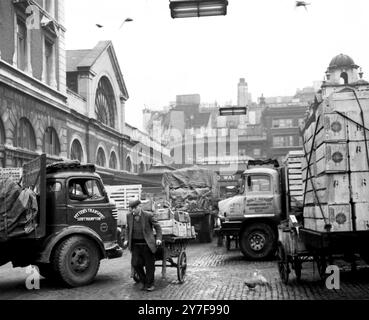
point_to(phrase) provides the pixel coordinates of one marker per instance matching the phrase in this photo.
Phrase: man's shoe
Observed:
(150, 288)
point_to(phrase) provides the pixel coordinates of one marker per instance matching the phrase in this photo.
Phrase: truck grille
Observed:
(114, 213)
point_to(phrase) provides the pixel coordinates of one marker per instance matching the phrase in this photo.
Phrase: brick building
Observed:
(282, 118)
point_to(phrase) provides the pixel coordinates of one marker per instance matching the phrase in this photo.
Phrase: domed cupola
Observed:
(342, 61)
(342, 70)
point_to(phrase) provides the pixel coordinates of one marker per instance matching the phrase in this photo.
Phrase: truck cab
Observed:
(75, 226)
(252, 216)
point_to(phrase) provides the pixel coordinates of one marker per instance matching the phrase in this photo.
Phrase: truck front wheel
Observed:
(77, 261)
(257, 241)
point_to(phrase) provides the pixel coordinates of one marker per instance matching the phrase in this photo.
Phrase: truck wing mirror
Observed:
(249, 181)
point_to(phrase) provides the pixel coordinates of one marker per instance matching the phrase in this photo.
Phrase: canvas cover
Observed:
(191, 189)
(18, 210)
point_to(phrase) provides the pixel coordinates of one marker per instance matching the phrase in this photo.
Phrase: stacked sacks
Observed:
(18, 210)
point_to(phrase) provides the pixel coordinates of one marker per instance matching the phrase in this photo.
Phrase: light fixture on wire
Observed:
(197, 8)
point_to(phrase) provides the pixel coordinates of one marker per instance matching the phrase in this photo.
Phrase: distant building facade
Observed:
(67, 104)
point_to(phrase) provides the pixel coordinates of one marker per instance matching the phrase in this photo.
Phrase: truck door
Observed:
(259, 195)
(56, 208)
(89, 206)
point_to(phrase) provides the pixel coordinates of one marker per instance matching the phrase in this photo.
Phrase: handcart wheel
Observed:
(297, 265)
(321, 263)
(181, 266)
(283, 264)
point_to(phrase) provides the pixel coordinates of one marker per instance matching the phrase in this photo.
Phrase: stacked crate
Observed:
(15, 174)
(339, 168)
(293, 163)
(174, 223)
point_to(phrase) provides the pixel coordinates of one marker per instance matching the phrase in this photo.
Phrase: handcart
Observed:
(172, 254)
(298, 245)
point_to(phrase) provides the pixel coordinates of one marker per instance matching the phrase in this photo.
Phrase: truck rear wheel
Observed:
(257, 241)
(77, 261)
(206, 229)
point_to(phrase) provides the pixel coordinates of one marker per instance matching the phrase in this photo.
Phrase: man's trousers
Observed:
(142, 257)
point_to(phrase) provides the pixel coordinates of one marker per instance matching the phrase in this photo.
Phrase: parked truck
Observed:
(267, 192)
(194, 190)
(60, 219)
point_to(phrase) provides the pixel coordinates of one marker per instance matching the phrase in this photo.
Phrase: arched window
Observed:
(2, 133)
(51, 142)
(113, 162)
(105, 105)
(101, 159)
(25, 135)
(129, 164)
(76, 152)
(344, 78)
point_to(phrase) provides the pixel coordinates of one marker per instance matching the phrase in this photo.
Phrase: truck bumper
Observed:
(114, 252)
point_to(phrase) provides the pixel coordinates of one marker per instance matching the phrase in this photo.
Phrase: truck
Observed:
(194, 190)
(60, 219)
(266, 193)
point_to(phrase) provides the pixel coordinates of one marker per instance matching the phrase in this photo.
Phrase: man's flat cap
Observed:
(134, 203)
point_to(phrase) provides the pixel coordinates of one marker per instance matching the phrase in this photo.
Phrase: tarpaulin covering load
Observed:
(18, 210)
(194, 177)
(191, 188)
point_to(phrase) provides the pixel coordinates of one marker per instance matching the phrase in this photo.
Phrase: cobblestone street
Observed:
(212, 273)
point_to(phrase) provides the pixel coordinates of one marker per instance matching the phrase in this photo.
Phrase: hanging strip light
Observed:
(197, 8)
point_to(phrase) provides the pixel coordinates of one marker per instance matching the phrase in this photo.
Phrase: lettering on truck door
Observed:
(259, 195)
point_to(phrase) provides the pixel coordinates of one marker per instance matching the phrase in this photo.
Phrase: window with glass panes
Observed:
(25, 135)
(21, 44)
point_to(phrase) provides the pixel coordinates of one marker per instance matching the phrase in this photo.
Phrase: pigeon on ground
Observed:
(257, 279)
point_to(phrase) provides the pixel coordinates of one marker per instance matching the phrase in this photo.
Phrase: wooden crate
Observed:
(355, 131)
(334, 129)
(360, 186)
(332, 157)
(358, 158)
(362, 216)
(14, 174)
(339, 216)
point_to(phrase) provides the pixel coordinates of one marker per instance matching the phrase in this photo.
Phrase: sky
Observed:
(275, 46)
